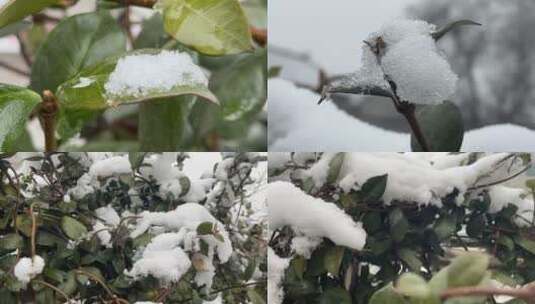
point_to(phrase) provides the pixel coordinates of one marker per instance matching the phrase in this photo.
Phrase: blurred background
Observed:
(495, 62)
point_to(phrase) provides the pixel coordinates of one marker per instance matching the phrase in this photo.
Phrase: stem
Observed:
(34, 229)
(24, 51)
(53, 288)
(48, 112)
(408, 110)
(14, 69)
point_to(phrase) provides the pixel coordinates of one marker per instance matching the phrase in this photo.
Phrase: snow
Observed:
(297, 123)
(312, 217)
(276, 269)
(304, 245)
(108, 215)
(502, 196)
(421, 74)
(405, 53)
(28, 268)
(398, 30)
(165, 249)
(140, 74)
(411, 179)
(83, 82)
(108, 219)
(163, 259)
(111, 166)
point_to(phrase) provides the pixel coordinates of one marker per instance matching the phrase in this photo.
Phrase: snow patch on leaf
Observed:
(140, 75)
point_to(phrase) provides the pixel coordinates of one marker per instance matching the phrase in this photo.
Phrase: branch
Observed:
(14, 69)
(527, 292)
(47, 114)
(359, 89)
(500, 181)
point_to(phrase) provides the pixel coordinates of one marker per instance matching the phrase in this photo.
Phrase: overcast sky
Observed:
(330, 30)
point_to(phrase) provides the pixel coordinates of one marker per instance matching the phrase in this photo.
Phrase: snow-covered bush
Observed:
(128, 228)
(373, 228)
(135, 75)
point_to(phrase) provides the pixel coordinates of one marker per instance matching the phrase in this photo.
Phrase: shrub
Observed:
(379, 226)
(119, 228)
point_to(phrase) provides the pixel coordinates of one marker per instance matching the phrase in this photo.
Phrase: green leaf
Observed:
(205, 228)
(334, 167)
(335, 295)
(442, 126)
(333, 259)
(398, 224)
(410, 257)
(467, 269)
(255, 297)
(11, 241)
(163, 123)
(525, 244)
(73, 228)
(75, 43)
(413, 285)
(387, 295)
(374, 188)
(213, 27)
(15, 10)
(136, 159)
(445, 227)
(241, 86)
(16, 105)
(185, 185)
(476, 225)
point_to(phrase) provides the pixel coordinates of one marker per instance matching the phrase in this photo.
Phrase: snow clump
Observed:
(140, 74)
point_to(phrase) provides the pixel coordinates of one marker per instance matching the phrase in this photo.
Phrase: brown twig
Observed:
(47, 114)
(24, 51)
(14, 69)
(527, 292)
(34, 230)
(64, 295)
